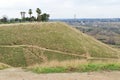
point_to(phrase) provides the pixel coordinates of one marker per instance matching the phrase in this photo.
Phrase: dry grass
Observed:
(72, 63)
(56, 63)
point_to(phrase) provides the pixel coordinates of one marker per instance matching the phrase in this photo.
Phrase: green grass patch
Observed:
(88, 67)
(3, 66)
(12, 56)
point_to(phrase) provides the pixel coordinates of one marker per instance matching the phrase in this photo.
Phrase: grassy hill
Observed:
(30, 43)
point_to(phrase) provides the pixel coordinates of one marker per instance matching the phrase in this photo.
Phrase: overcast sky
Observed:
(63, 8)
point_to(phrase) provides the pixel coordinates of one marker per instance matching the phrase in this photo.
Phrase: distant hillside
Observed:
(30, 43)
(107, 32)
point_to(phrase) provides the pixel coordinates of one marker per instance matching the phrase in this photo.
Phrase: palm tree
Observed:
(22, 16)
(30, 12)
(38, 11)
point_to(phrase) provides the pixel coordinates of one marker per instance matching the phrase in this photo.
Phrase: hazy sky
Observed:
(63, 8)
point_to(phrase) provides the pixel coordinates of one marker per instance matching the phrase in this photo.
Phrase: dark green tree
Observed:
(27, 19)
(45, 17)
(4, 19)
(12, 20)
(33, 18)
(17, 20)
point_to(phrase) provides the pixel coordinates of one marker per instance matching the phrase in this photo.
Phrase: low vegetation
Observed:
(75, 66)
(3, 66)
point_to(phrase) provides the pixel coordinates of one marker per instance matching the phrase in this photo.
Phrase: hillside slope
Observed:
(30, 43)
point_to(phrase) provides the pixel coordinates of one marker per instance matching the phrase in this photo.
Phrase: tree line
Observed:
(40, 17)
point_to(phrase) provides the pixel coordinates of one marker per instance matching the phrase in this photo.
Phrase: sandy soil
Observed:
(19, 74)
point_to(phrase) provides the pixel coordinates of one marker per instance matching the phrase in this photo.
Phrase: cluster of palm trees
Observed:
(40, 17)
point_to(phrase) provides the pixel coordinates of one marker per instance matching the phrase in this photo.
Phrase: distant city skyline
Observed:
(63, 8)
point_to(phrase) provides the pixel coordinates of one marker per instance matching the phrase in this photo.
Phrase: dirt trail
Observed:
(19, 74)
(41, 48)
(57, 51)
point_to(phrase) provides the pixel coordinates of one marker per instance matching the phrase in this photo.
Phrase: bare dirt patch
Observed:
(19, 74)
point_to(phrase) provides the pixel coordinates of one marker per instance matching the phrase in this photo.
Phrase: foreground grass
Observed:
(76, 67)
